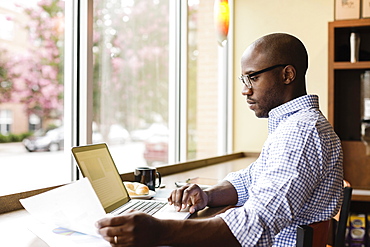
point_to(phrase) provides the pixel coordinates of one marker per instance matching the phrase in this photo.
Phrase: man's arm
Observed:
(191, 195)
(207, 232)
(140, 229)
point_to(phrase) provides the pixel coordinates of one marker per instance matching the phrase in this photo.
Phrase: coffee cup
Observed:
(148, 176)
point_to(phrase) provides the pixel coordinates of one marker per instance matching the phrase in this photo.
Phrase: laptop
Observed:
(96, 163)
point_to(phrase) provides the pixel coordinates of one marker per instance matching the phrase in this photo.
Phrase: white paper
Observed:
(57, 237)
(74, 206)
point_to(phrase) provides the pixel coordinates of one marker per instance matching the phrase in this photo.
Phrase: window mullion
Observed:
(183, 87)
(230, 81)
(178, 82)
(70, 80)
(85, 73)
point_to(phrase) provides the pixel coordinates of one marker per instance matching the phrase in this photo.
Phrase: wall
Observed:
(307, 20)
(20, 125)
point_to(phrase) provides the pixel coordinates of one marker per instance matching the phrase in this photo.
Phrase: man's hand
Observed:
(189, 195)
(131, 229)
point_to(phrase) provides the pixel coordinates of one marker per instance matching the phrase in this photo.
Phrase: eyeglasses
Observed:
(246, 79)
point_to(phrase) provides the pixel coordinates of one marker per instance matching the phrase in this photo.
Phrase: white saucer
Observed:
(150, 195)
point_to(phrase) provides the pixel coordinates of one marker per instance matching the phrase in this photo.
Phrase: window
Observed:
(135, 82)
(31, 101)
(150, 90)
(5, 121)
(202, 80)
(131, 80)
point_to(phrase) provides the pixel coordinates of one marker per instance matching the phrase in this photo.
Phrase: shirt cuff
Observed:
(239, 186)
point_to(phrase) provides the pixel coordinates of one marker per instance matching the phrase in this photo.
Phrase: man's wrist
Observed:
(208, 197)
(164, 232)
(206, 232)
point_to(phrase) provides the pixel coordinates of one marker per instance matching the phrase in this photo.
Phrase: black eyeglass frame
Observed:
(248, 82)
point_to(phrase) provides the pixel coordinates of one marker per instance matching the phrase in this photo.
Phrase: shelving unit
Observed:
(345, 102)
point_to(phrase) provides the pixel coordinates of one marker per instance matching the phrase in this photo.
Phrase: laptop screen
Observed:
(96, 163)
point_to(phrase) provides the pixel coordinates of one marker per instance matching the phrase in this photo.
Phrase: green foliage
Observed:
(14, 137)
(53, 8)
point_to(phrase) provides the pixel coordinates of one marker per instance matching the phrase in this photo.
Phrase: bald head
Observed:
(276, 65)
(281, 48)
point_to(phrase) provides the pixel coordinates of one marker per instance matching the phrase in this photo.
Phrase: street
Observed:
(24, 171)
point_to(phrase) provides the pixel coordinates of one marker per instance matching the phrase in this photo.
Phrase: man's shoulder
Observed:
(306, 115)
(304, 118)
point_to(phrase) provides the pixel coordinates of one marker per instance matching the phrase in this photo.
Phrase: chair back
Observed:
(330, 232)
(315, 234)
(340, 234)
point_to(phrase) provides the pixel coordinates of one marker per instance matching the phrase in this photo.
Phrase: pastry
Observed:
(136, 189)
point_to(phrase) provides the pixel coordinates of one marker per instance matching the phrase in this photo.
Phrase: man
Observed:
(296, 180)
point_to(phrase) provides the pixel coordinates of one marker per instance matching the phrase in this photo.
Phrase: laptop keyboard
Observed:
(149, 207)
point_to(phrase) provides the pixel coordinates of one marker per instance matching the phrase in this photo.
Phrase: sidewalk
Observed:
(12, 148)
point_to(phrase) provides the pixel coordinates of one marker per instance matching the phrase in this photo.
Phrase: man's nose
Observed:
(246, 91)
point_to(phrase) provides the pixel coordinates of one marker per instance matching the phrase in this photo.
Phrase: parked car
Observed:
(52, 140)
(156, 148)
(144, 134)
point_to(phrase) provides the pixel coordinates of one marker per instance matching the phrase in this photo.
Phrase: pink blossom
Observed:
(45, 3)
(49, 72)
(34, 73)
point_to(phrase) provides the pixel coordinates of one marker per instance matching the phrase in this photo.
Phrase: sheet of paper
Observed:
(56, 236)
(74, 206)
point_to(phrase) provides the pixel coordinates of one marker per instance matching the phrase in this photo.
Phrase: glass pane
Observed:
(131, 80)
(31, 96)
(202, 80)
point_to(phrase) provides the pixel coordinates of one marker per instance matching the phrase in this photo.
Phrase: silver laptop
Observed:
(95, 162)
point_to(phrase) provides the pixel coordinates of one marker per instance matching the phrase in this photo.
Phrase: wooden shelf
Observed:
(350, 23)
(360, 195)
(348, 65)
(344, 109)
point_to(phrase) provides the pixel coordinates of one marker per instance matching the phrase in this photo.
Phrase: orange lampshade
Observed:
(221, 18)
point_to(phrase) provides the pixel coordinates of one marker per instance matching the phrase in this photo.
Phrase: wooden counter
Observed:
(13, 225)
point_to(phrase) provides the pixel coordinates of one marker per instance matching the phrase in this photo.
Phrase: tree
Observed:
(131, 61)
(35, 78)
(5, 84)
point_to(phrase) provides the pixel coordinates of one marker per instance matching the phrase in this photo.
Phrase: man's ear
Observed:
(289, 74)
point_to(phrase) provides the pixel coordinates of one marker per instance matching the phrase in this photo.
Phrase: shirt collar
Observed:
(281, 112)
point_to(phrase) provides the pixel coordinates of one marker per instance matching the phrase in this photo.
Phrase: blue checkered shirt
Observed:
(296, 180)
